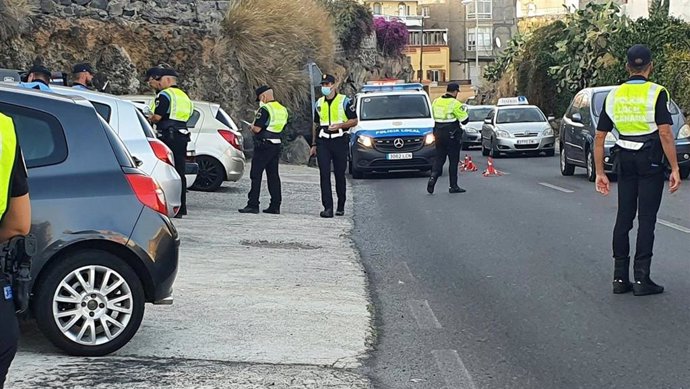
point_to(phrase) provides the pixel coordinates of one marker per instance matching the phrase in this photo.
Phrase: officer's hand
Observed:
(602, 184)
(312, 151)
(674, 181)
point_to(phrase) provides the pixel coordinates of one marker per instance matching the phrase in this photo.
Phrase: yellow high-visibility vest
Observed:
(632, 107)
(448, 110)
(277, 117)
(181, 106)
(333, 113)
(8, 154)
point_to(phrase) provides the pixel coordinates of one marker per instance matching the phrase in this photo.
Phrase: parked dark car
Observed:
(579, 126)
(105, 245)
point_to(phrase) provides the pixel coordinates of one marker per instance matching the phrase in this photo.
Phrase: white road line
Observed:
(426, 320)
(673, 225)
(556, 187)
(407, 271)
(453, 370)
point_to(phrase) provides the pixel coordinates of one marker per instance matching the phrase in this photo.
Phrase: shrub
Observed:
(353, 22)
(391, 36)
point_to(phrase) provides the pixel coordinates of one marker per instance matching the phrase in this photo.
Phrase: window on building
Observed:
(436, 75)
(484, 7)
(425, 11)
(531, 9)
(484, 40)
(377, 9)
(402, 9)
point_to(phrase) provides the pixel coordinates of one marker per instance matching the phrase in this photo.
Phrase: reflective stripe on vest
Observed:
(8, 151)
(333, 113)
(443, 109)
(181, 107)
(632, 107)
(277, 117)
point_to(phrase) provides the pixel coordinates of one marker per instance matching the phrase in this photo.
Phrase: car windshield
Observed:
(520, 115)
(599, 98)
(478, 114)
(394, 107)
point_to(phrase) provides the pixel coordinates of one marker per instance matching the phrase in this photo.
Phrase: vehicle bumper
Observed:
(191, 169)
(156, 242)
(234, 162)
(169, 181)
(511, 145)
(368, 159)
(472, 139)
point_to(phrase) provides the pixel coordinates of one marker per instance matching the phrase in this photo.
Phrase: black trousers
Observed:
(266, 157)
(332, 151)
(447, 147)
(178, 145)
(9, 332)
(640, 188)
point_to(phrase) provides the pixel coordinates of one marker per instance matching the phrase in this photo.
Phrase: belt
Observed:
(629, 145)
(331, 135)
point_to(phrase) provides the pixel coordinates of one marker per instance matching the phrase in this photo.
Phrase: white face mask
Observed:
(261, 104)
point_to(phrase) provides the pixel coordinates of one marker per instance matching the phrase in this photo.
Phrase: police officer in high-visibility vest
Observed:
(83, 76)
(638, 110)
(172, 110)
(448, 115)
(270, 120)
(15, 220)
(335, 114)
(38, 78)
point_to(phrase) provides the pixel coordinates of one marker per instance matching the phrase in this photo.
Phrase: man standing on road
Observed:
(172, 110)
(448, 115)
(335, 115)
(271, 118)
(15, 220)
(83, 75)
(638, 109)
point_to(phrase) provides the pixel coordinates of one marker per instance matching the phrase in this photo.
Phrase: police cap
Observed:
(40, 69)
(260, 90)
(82, 67)
(639, 56)
(168, 72)
(154, 73)
(328, 79)
(453, 87)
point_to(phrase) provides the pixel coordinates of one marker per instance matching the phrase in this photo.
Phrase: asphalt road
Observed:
(509, 284)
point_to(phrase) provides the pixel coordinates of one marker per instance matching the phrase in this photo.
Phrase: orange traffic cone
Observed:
(468, 165)
(462, 164)
(491, 170)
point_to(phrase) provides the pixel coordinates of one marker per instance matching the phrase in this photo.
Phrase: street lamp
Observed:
(476, 35)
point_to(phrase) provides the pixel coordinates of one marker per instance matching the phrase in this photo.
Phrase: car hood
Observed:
(522, 127)
(474, 125)
(381, 128)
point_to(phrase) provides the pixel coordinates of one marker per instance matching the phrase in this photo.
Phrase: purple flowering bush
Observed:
(391, 36)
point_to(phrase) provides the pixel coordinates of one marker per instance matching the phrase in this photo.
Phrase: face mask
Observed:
(261, 104)
(325, 90)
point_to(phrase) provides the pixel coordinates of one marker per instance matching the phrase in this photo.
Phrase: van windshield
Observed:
(394, 107)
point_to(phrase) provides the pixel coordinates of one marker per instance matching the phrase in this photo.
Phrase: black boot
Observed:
(456, 189)
(327, 213)
(272, 210)
(431, 184)
(248, 209)
(644, 285)
(621, 276)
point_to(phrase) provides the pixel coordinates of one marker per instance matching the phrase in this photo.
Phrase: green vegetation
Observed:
(353, 22)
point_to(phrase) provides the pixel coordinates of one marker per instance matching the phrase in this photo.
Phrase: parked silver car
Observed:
(472, 134)
(513, 129)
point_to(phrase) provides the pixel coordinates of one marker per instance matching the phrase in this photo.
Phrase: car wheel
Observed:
(90, 303)
(210, 176)
(684, 172)
(566, 168)
(591, 171)
(485, 151)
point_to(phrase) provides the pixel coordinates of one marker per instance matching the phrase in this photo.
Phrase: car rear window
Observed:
(191, 123)
(40, 135)
(103, 109)
(145, 126)
(394, 107)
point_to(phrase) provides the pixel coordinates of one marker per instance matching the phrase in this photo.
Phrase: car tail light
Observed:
(148, 192)
(231, 138)
(162, 151)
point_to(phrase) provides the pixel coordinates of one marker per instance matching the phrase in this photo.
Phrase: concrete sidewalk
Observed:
(262, 300)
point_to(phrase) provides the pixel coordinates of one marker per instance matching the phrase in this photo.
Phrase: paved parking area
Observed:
(275, 301)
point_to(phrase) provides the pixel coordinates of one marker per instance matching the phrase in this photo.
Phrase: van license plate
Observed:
(397, 156)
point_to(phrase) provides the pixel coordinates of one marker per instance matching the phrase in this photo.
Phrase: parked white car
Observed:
(139, 138)
(217, 141)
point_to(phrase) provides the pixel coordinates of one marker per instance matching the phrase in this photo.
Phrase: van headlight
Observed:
(547, 132)
(429, 139)
(610, 138)
(684, 132)
(365, 141)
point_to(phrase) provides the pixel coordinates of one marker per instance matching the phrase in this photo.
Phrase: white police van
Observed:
(394, 131)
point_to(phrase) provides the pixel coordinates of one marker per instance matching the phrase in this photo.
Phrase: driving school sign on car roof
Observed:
(519, 100)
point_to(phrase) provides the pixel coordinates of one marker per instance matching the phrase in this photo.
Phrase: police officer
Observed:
(448, 115)
(271, 118)
(638, 109)
(172, 110)
(15, 219)
(38, 78)
(335, 115)
(83, 76)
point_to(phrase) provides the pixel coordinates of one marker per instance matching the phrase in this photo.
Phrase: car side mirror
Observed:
(551, 118)
(577, 118)
(488, 121)
(138, 162)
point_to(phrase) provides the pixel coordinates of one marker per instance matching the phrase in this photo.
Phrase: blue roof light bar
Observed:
(392, 87)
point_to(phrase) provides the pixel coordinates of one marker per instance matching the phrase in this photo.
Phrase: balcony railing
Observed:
(409, 20)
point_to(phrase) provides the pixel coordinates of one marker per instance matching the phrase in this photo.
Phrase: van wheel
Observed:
(566, 168)
(90, 303)
(211, 174)
(591, 171)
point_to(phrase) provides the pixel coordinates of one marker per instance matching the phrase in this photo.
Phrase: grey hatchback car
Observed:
(105, 244)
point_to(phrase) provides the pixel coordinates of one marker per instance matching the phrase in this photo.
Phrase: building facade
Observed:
(640, 9)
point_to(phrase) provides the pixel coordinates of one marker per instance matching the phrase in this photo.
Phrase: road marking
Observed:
(556, 187)
(673, 225)
(407, 271)
(426, 320)
(453, 370)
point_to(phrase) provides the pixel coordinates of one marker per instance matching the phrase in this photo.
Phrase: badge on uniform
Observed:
(8, 292)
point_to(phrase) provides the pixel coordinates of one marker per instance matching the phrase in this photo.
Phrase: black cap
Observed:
(260, 90)
(328, 79)
(168, 72)
(82, 67)
(453, 87)
(639, 55)
(152, 73)
(40, 69)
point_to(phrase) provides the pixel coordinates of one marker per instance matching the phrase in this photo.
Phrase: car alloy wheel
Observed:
(591, 174)
(210, 176)
(566, 168)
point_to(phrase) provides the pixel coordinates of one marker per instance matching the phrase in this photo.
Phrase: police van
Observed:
(394, 131)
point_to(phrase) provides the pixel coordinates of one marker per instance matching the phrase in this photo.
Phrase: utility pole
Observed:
(421, 52)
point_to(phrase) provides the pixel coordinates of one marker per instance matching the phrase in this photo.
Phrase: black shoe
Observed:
(645, 288)
(272, 210)
(622, 286)
(340, 212)
(430, 185)
(456, 189)
(326, 213)
(178, 216)
(182, 212)
(248, 209)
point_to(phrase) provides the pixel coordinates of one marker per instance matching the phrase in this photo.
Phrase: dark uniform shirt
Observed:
(661, 112)
(350, 110)
(261, 119)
